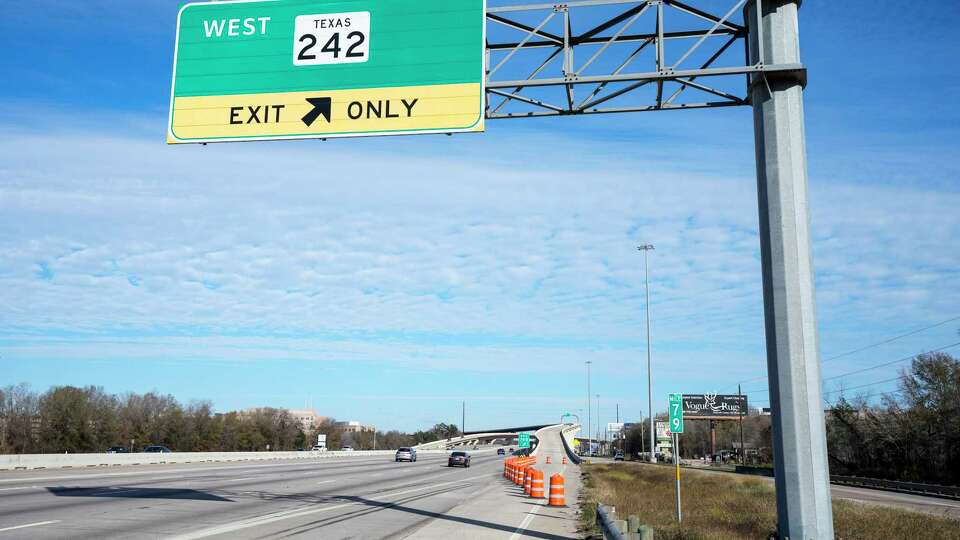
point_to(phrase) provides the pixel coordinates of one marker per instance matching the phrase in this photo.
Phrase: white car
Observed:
(347, 449)
(319, 448)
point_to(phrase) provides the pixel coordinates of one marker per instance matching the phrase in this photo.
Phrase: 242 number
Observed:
(332, 47)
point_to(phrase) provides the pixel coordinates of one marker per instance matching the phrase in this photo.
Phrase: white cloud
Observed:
(514, 253)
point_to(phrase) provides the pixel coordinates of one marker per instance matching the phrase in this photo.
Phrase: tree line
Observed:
(79, 420)
(911, 433)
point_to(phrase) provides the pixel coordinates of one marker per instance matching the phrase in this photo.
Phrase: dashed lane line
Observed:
(291, 514)
(28, 525)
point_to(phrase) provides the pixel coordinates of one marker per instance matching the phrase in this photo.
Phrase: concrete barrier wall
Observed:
(58, 461)
(567, 435)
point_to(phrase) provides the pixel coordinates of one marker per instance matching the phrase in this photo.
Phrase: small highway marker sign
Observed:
(676, 413)
(523, 440)
(276, 69)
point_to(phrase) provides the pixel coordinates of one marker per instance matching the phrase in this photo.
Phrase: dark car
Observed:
(458, 459)
(501, 452)
(157, 450)
(117, 450)
(406, 454)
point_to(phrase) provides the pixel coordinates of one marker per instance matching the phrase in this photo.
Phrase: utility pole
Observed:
(801, 470)
(646, 248)
(463, 417)
(589, 413)
(743, 451)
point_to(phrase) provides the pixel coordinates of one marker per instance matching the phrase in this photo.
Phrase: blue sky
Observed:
(386, 280)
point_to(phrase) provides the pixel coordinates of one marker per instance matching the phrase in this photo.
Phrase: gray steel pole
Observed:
(676, 464)
(599, 447)
(793, 356)
(646, 285)
(589, 413)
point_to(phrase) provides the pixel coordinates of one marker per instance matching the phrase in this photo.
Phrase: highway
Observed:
(357, 497)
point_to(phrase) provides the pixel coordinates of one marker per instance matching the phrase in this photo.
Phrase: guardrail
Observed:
(613, 528)
(918, 488)
(58, 461)
(947, 492)
(606, 520)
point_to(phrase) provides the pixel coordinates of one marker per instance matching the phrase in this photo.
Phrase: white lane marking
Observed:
(239, 479)
(326, 482)
(290, 514)
(29, 525)
(526, 522)
(23, 487)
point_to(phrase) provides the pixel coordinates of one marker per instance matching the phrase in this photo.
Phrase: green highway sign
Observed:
(291, 69)
(523, 440)
(676, 413)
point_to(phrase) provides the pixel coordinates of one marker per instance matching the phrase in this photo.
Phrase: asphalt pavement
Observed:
(357, 497)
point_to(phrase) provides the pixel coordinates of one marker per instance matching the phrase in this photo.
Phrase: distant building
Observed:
(307, 418)
(354, 427)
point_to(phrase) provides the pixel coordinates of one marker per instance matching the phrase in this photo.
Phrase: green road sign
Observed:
(285, 69)
(523, 440)
(676, 413)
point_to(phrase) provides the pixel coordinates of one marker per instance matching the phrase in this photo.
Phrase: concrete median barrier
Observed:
(60, 461)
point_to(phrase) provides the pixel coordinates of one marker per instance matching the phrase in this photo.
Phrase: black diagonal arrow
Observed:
(321, 106)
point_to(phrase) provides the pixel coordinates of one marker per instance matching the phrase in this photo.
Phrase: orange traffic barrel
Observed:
(557, 495)
(528, 480)
(548, 460)
(521, 475)
(536, 485)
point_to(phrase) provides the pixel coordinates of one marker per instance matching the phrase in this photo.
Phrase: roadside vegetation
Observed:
(729, 507)
(911, 433)
(74, 420)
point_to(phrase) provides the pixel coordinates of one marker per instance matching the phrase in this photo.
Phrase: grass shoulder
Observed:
(729, 507)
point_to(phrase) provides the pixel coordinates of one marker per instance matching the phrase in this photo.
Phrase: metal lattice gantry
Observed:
(609, 56)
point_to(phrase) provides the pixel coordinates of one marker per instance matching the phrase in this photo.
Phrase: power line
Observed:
(885, 364)
(877, 344)
(877, 366)
(884, 342)
(863, 385)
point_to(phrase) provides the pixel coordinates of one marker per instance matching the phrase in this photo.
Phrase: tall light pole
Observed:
(646, 285)
(598, 423)
(589, 425)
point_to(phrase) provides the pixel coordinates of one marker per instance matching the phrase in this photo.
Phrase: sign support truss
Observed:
(652, 55)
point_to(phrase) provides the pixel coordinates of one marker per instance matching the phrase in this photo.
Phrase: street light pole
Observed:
(600, 448)
(589, 413)
(646, 285)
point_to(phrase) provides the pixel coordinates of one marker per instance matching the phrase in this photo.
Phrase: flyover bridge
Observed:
(504, 436)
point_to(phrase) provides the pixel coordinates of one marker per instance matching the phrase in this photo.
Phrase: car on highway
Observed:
(501, 452)
(406, 454)
(318, 448)
(458, 459)
(157, 450)
(347, 449)
(117, 450)
(618, 456)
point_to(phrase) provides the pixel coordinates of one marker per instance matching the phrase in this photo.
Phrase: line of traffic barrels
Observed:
(521, 471)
